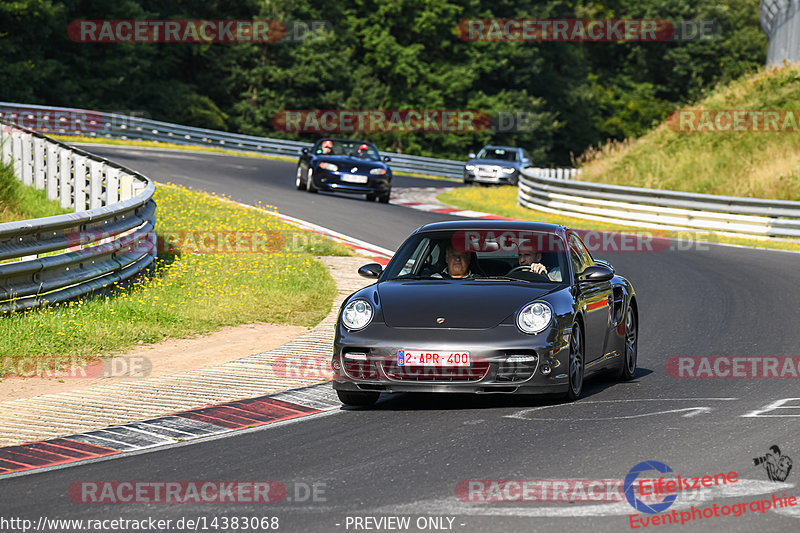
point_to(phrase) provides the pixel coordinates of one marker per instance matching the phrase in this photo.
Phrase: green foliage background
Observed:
(382, 54)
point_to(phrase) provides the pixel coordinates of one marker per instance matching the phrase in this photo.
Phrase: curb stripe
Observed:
(170, 429)
(410, 197)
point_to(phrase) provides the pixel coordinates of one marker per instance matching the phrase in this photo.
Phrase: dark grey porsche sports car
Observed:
(485, 307)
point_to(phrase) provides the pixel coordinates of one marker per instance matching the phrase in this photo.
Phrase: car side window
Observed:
(578, 254)
(414, 258)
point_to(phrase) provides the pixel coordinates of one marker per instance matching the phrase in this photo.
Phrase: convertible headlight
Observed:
(357, 314)
(469, 168)
(534, 318)
(509, 170)
(378, 171)
(328, 166)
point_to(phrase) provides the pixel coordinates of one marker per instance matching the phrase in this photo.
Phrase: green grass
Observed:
(761, 165)
(503, 201)
(22, 202)
(189, 293)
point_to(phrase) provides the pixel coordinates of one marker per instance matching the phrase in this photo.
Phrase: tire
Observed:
(629, 361)
(298, 182)
(577, 363)
(357, 398)
(384, 198)
(309, 181)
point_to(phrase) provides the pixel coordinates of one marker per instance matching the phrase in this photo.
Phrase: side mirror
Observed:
(596, 273)
(604, 263)
(471, 155)
(372, 270)
(304, 151)
(386, 158)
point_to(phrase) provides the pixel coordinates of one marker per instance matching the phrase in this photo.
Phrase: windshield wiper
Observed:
(498, 278)
(401, 278)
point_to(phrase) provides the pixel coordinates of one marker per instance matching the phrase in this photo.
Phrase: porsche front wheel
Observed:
(628, 365)
(576, 363)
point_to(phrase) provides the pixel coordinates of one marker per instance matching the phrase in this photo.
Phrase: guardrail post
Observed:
(26, 162)
(7, 144)
(16, 153)
(51, 180)
(79, 182)
(112, 185)
(38, 163)
(65, 179)
(96, 184)
(125, 187)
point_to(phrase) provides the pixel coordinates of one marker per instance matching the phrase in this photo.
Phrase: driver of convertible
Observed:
(532, 260)
(457, 265)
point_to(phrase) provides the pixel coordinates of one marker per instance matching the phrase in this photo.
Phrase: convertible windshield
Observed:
(481, 254)
(499, 154)
(359, 149)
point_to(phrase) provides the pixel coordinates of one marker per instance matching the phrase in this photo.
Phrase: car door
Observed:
(595, 299)
(526, 159)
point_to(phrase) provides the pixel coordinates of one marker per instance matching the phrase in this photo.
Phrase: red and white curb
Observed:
(424, 199)
(170, 429)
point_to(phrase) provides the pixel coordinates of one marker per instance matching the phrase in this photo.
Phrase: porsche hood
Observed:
(463, 304)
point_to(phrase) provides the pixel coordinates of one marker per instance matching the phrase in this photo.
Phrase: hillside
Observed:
(763, 163)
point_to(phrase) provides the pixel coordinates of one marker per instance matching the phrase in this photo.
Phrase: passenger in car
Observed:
(458, 265)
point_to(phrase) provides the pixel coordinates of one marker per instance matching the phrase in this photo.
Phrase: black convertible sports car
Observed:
(482, 307)
(345, 165)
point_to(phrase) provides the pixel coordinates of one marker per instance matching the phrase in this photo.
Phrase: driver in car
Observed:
(532, 260)
(362, 150)
(327, 147)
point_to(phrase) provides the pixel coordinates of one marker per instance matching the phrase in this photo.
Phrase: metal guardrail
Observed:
(69, 121)
(109, 238)
(780, 20)
(661, 209)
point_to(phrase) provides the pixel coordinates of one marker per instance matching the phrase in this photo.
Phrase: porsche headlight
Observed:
(378, 171)
(509, 170)
(469, 168)
(328, 166)
(534, 318)
(357, 314)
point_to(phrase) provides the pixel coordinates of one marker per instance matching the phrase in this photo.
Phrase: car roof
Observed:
(493, 147)
(497, 225)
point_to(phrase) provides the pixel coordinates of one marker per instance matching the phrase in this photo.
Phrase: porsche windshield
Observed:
(481, 254)
(498, 154)
(358, 149)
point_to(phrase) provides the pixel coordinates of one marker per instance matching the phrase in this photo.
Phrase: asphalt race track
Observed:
(407, 456)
